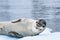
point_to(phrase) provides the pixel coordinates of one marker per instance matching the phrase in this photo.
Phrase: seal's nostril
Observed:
(40, 29)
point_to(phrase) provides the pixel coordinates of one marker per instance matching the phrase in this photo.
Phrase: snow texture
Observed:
(46, 35)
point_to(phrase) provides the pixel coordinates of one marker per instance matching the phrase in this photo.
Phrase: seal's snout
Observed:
(41, 23)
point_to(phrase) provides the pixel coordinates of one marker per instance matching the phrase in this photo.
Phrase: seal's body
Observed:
(22, 27)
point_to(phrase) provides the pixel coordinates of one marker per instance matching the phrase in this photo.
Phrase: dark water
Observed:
(4, 7)
(46, 9)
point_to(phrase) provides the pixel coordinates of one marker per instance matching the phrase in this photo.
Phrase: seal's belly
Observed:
(21, 29)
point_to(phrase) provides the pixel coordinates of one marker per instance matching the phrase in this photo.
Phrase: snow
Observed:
(45, 35)
(2, 37)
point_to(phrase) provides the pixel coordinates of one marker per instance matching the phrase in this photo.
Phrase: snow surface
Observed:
(46, 35)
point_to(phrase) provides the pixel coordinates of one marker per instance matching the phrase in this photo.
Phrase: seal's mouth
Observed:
(41, 29)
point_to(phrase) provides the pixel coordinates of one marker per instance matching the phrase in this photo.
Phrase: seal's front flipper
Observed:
(15, 34)
(15, 21)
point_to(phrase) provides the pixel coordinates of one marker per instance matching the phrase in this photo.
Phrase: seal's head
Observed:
(40, 25)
